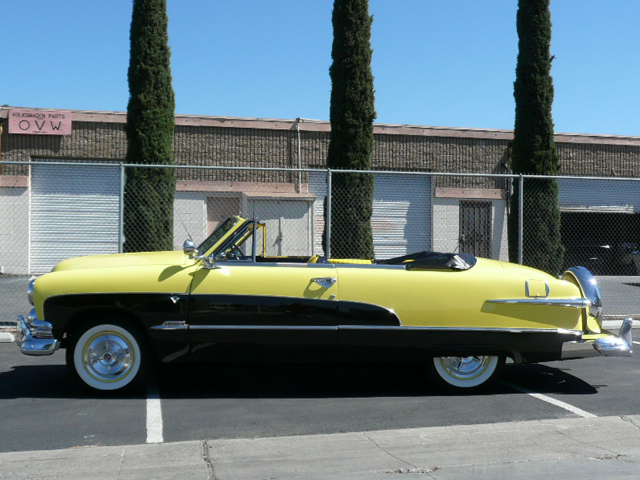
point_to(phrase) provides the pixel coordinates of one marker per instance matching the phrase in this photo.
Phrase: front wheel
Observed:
(467, 372)
(107, 356)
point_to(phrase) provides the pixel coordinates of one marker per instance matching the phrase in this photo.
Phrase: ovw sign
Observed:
(38, 122)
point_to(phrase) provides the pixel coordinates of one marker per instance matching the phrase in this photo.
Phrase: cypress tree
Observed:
(149, 193)
(352, 113)
(534, 149)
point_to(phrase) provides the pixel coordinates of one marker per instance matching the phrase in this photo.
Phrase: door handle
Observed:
(325, 282)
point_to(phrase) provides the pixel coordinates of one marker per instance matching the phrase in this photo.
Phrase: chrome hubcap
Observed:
(108, 356)
(465, 368)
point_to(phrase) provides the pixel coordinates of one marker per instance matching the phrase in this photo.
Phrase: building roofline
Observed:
(308, 125)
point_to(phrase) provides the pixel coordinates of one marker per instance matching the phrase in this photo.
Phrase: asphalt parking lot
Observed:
(43, 410)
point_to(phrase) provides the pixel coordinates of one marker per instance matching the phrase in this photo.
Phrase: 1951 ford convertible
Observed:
(225, 300)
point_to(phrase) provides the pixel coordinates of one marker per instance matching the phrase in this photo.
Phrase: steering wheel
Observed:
(234, 253)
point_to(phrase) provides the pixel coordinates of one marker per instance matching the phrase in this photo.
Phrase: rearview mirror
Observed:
(189, 248)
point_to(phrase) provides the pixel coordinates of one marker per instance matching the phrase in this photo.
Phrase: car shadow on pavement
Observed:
(340, 381)
(541, 378)
(277, 381)
(45, 381)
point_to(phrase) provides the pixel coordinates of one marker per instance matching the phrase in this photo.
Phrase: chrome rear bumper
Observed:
(34, 336)
(620, 346)
(611, 345)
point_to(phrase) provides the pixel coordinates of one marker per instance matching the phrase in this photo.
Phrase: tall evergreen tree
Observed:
(149, 193)
(352, 113)
(534, 149)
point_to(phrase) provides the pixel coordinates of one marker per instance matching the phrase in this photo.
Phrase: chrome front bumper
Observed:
(34, 336)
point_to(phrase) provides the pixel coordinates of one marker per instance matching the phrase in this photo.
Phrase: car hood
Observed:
(122, 260)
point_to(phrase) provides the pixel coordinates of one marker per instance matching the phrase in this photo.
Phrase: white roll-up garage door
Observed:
(401, 219)
(74, 212)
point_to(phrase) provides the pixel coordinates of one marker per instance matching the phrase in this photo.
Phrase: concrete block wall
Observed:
(499, 237)
(14, 230)
(445, 227)
(189, 218)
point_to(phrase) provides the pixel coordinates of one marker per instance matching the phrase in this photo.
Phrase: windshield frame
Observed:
(220, 234)
(243, 234)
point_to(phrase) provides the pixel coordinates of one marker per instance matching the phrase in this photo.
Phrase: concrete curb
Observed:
(6, 337)
(452, 452)
(159, 461)
(604, 447)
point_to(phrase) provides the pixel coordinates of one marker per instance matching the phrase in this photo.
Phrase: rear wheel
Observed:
(107, 356)
(467, 372)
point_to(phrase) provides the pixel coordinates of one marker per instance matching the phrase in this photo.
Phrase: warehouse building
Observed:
(50, 211)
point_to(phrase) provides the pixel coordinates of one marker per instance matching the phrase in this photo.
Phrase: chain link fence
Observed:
(50, 211)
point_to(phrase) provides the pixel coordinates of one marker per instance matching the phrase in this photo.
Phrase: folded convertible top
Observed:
(433, 260)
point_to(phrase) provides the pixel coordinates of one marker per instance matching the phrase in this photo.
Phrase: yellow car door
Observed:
(240, 302)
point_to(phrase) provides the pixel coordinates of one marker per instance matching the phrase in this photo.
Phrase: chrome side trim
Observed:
(171, 325)
(375, 266)
(554, 302)
(387, 328)
(263, 327)
(369, 266)
(242, 263)
(468, 329)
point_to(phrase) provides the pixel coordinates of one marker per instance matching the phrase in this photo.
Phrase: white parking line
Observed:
(553, 401)
(154, 416)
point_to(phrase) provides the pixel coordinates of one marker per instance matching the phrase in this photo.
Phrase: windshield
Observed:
(217, 234)
(238, 247)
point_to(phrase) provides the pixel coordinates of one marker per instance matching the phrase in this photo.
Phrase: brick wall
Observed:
(222, 141)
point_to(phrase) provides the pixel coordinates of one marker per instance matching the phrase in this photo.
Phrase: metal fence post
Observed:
(328, 214)
(121, 210)
(520, 219)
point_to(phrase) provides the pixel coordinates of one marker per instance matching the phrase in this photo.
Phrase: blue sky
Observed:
(442, 63)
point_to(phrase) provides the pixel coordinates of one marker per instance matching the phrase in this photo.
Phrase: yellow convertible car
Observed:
(225, 300)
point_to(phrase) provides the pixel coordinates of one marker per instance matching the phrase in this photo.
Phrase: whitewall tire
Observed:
(106, 357)
(467, 372)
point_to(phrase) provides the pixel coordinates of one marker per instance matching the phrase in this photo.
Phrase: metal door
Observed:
(475, 228)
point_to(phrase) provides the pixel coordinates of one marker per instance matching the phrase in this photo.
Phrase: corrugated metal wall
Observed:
(600, 195)
(401, 219)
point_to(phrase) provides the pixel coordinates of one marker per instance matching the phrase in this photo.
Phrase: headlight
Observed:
(30, 290)
(590, 288)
